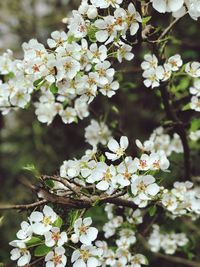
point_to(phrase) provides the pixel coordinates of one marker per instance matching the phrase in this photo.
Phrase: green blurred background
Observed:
(24, 140)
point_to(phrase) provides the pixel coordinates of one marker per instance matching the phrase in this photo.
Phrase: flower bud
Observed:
(92, 12)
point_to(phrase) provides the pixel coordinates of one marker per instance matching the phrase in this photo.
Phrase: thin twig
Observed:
(23, 207)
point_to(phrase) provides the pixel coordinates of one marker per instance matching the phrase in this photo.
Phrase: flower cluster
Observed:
(182, 199)
(178, 8)
(154, 73)
(76, 66)
(40, 224)
(169, 243)
(97, 133)
(161, 141)
(195, 92)
(125, 238)
(43, 231)
(108, 177)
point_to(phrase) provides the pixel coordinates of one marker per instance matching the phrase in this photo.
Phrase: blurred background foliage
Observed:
(135, 110)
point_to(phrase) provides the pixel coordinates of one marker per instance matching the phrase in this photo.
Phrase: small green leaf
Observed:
(53, 88)
(186, 107)
(152, 210)
(115, 109)
(58, 223)
(9, 76)
(38, 83)
(145, 20)
(41, 250)
(49, 183)
(31, 168)
(74, 215)
(92, 33)
(102, 158)
(195, 125)
(34, 241)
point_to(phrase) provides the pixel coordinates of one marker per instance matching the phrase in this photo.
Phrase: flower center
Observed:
(107, 176)
(120, 151)
(68, 65)
(83, 229)
(57, 259)
(156, 164)
(141, 186)
(127, 175)
(85, 254)
(56, 236)
(46, 220)
(143, 164)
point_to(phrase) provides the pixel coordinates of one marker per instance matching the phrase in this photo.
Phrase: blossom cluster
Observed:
(108, 177)
(125, 239)
(182, 199)
(161, 141)
(76, 66)
(97, 133)
(168, 242)
(43, 231)
(153, 73)
(178, 8)
(195, 92)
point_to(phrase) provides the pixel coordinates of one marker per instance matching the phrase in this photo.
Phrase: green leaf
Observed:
(74, 215)
(102, 158)
(58, 223)
(38, 83)
(9, 76)
(152, 210)
(31, 168)
(41, 250)
(145, 20)
(92, 33)
(115, 109)
(186, 107)
(53, 88)
(34, 241)
(49, 183)
(195, 125)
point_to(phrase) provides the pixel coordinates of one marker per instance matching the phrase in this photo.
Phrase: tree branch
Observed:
(178, 127)
(23, 207)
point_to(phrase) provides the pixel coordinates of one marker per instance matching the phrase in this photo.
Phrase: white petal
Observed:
(113, 145)
(92, 262)
(103, 185)
(36, 216)
(124, 142)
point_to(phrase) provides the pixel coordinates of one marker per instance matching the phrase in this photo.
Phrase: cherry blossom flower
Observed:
(163, 6)
(42, 222)
(137, 260)
(20, 253)
(83, 230)
(55, 237)
(193, 69)
(87, 256)
(118, 149)
(144, 187)
(56, 258)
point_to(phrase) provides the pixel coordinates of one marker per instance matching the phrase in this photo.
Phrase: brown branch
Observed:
(84, 202)
(178, 127)
(168, 29)
(23, 207)
(177, 260)
(63, 181)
